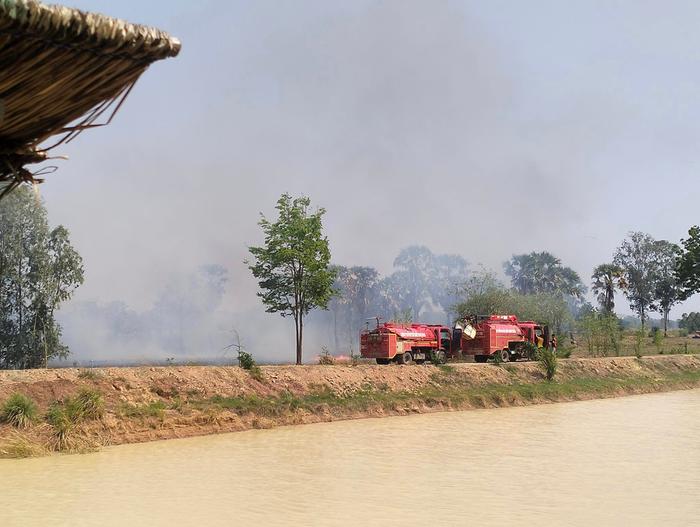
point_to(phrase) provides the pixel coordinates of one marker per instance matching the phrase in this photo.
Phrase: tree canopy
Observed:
(484, 294)
(607, 278)
(39, 269)
(688, 266)
(292, 267)
(542, 272)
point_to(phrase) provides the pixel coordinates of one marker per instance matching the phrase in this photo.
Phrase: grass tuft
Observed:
(154, 409)
(91, 375)
(19, 411)
(65, 416)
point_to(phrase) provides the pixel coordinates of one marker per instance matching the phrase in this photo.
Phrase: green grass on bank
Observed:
(447, 391)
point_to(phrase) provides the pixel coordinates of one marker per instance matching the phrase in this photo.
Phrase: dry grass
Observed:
(18, 445)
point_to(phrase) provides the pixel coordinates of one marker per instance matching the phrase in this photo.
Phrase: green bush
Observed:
(245, 360)
(19, 411)
(563, 352)
(548, 361)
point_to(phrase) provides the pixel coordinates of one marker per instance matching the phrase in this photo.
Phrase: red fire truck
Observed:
(501, 336)
(405, 343)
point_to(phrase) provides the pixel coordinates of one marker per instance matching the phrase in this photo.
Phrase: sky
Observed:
(484, 129)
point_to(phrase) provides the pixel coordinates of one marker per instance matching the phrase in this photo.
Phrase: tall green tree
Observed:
(542, 272)
(39, 269)
(688, 266)
(667, 291)
(638, 256)
(293, 265)
(607, 278)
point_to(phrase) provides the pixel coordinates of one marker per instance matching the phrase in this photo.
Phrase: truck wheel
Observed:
(382, 361)
(505, 356)
(480, 358)
(405, 358)
(439, 357)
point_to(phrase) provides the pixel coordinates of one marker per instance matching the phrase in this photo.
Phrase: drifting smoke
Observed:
(469, 128)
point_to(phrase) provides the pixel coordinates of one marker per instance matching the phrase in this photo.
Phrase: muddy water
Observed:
(628, 461)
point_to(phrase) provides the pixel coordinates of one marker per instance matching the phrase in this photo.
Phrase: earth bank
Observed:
(149, 403)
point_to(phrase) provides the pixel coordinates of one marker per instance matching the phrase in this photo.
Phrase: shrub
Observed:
(89, 374)
(245, 360)
(325, 358)
(548, 361)
(563, 353)
(19, 411)
(601, 333)
(658, 340)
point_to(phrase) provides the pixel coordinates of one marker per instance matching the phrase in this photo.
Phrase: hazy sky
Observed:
(479, 128)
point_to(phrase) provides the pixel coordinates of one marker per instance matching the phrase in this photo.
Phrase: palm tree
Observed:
(607, 278)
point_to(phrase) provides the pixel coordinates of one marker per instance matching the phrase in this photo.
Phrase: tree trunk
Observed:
(335, 330)
(666, 311)
(296, 339)
(300, 333)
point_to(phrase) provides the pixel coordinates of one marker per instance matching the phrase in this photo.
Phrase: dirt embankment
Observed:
(147, 403)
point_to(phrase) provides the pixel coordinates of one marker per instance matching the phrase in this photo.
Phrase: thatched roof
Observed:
(61, 67)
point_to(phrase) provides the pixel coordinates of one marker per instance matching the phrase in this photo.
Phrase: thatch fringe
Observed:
(60, 66)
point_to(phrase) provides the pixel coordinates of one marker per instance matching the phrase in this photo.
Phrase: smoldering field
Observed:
(481, 129)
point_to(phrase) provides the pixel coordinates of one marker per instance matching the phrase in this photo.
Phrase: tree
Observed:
(606, 279)
(638, 258)
(482, 294)
(411, 281)
(356, 292)
(422, 280)
(667, 292)
(292, 267)
(690, 322)
(688, 266)
(39, 269)
(601, 332)
(542, 272)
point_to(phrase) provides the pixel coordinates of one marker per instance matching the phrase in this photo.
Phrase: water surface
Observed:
(627, 461)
